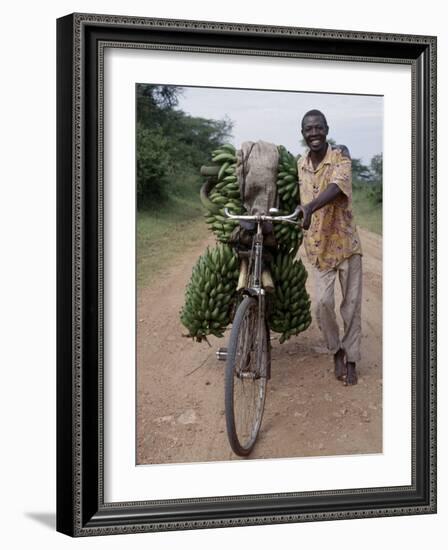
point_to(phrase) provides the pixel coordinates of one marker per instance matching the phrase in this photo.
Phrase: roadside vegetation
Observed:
(368, 214)
(368, 194)
(171, 147)
(167, 230)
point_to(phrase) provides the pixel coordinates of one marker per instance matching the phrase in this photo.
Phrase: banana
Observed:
(222, 170)
(229, 147)
(223, 157)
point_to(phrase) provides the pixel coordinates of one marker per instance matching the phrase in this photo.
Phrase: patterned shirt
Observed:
(332, 236)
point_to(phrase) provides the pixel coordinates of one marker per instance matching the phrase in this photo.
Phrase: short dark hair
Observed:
(314, 112)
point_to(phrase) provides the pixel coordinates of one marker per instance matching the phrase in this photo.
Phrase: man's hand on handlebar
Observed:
(305, 213)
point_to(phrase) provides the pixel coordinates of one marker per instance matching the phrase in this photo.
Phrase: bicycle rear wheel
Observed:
(246, 377)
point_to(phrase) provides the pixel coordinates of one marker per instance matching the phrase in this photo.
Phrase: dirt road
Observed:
(180, 384)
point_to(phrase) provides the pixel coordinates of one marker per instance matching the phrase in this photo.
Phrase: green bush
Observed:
(154, 169)
(375, 193)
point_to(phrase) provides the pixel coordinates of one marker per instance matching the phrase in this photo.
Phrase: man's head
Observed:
(315, 130)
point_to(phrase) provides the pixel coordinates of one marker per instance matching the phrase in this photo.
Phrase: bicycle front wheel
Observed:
(246, 375)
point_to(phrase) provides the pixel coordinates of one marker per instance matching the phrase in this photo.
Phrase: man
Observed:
(331, 241)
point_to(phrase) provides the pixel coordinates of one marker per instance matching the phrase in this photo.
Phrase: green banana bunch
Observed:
(290, 312)
(289, 237)
(287, 184)
(225, 193)
(211, 293)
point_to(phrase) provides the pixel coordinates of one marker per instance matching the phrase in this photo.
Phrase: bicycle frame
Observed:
(255, 286)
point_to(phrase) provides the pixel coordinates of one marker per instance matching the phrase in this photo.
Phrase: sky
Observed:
(274, 116)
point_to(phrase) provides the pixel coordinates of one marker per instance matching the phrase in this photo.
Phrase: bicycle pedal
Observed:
(221, 354)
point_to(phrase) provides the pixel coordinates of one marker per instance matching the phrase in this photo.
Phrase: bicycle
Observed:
(248, 356)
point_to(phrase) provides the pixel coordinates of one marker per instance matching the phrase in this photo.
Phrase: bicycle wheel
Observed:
(245, 384)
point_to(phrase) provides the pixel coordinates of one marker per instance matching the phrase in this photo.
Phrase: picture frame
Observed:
(81, 506)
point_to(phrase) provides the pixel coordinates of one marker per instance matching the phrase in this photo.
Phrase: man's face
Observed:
(314, 131)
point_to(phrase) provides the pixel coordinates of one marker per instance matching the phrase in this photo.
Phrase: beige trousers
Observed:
(350, 279)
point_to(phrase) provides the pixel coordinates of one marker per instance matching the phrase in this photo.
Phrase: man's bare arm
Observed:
(329, 195)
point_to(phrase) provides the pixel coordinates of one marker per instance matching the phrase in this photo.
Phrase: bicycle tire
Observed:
(245, 381)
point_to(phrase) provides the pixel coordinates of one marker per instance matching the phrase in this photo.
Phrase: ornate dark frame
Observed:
(81, 39)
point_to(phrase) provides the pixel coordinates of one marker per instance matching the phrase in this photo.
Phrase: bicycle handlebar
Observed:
(290, 218)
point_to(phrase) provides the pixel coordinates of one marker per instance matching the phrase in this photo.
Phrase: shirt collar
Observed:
(326, 160)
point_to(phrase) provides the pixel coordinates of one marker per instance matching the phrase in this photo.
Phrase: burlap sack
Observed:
(256, 170)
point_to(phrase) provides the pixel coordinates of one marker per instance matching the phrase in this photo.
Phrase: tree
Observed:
(376, 167)
(153, 103)
(360, 173)
(193, 138)
(171, 145)
(154, 168)
(376, 183)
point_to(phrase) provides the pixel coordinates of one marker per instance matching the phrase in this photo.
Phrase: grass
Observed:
(367, 214)
(165, 231)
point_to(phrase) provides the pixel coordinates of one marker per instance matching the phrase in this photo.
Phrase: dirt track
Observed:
(180, 384)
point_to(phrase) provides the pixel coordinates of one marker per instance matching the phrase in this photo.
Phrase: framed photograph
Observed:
(209, 375)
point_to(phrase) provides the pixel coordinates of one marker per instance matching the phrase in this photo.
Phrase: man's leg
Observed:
(326, 317)
(350, 277)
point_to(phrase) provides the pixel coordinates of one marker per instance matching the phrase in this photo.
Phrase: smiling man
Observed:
(331, 241)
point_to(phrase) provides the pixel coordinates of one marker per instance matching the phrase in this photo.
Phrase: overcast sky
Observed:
(354, 120)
